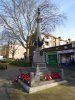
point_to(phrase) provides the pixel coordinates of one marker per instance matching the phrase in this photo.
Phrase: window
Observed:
(47, 43)
(73, 44)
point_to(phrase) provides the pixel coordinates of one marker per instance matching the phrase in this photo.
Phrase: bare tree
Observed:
(13, 48)
(19, 18)
(11, 43)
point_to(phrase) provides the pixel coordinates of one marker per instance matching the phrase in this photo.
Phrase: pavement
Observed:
(6, 78)
(8, 91)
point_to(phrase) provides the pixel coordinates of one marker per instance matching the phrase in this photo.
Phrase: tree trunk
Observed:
(7, 51)
(27, 55)
(28, 50)
(13, 55)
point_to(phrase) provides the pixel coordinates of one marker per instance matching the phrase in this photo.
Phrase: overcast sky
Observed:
(68, 29)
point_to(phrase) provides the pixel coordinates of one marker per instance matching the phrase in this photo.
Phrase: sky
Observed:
(67, 30)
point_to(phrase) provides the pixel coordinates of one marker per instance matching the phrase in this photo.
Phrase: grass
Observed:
(60, 92)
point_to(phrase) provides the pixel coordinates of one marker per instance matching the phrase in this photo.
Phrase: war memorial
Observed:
(38, 78)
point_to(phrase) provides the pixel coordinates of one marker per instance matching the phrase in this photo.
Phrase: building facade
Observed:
(51, 41)
(18, 51)
(12, 51)
(61, 54)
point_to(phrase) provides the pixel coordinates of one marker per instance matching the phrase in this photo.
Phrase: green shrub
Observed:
(16, 62)
(20, 63)
(3, 66)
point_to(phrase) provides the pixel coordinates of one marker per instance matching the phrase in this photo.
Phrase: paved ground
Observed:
(8, 91)
(6, 87)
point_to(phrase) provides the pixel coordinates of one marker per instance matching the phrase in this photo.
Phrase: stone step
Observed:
(42, 70)
(40, 65)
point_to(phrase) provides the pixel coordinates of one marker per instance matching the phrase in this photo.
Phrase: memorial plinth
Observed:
(39, 64)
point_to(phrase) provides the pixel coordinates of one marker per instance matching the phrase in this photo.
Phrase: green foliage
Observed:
(20, 63)
(3, 66)
(16, 62)
(6, 60)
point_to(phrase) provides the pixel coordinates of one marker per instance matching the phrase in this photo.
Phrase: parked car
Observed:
(2, 58)
(3, 64)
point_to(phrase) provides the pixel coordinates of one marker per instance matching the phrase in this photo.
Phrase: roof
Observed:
(59, 48)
